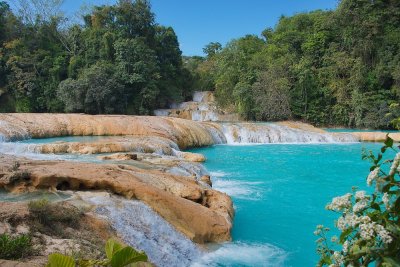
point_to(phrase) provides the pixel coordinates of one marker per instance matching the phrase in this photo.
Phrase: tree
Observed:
(96, 91)
(137, 69)
(271, 96)
(212, 48)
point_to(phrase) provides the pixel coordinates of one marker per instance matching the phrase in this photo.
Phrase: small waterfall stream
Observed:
(266, 133)
(142, 228)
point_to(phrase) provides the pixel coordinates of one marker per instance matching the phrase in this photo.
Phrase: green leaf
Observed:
(112, 247)
(376, 206)
(388, 141)
(390, 262)
(393, 228)
(344, 234)
(59, 260)
(379, 157)
(126, 256)
(397, 204)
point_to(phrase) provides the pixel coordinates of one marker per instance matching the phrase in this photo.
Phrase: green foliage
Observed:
(212, 49)
(59, 260)
(117, 255)
(336, 67)
(14, 248)
(120, 61)
(369, 224)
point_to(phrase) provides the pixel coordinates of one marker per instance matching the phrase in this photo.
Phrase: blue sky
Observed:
(199, 22)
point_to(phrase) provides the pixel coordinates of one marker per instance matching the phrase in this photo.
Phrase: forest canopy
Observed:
(119, 60)
(339, 67)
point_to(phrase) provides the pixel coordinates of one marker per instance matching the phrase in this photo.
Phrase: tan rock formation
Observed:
(184, 133)
(301, 126)
(119, 156)
(376, 136)
(202, 214)
(113, 144)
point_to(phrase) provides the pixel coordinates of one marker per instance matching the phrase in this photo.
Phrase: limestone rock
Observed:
(119, 156)
(202, 214)
(376, 136)
(185, 133)
(206, 179)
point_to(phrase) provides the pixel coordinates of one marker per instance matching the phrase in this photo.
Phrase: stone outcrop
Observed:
(149, 145)
(375, 136)
(185, 133)
(301, 126)
(360, 136)
(202, 214)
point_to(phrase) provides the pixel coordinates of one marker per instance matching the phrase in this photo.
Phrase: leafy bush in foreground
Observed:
(369, 224)
(117, 256)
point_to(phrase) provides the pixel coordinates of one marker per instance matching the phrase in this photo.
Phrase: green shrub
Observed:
(13, 248)
(53, 217)
(40, 210)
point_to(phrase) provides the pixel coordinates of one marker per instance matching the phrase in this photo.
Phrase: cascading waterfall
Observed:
(203, 96)
(217, 135)
(16, 148)
(16, 133)
(264, 133)
(142, 228)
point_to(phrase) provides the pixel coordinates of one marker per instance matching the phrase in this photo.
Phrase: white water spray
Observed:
(265, 133)
(142, 228)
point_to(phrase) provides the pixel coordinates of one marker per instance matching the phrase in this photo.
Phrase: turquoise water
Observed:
(279, 194)
(348, 130)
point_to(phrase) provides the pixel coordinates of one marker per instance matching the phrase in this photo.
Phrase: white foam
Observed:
(264, 133)
(239, 189)
(161, 112)
(199, 96)
(243, 254)
(218, 174)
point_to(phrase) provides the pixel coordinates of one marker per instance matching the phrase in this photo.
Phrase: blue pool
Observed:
(279, 193)
(348, 130)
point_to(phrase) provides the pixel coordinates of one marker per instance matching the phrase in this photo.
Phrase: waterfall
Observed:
(217, 135)
(12, 133)
(203, 96)
(16, 148)
(161, 112)
(140, 227)
(264, 133)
